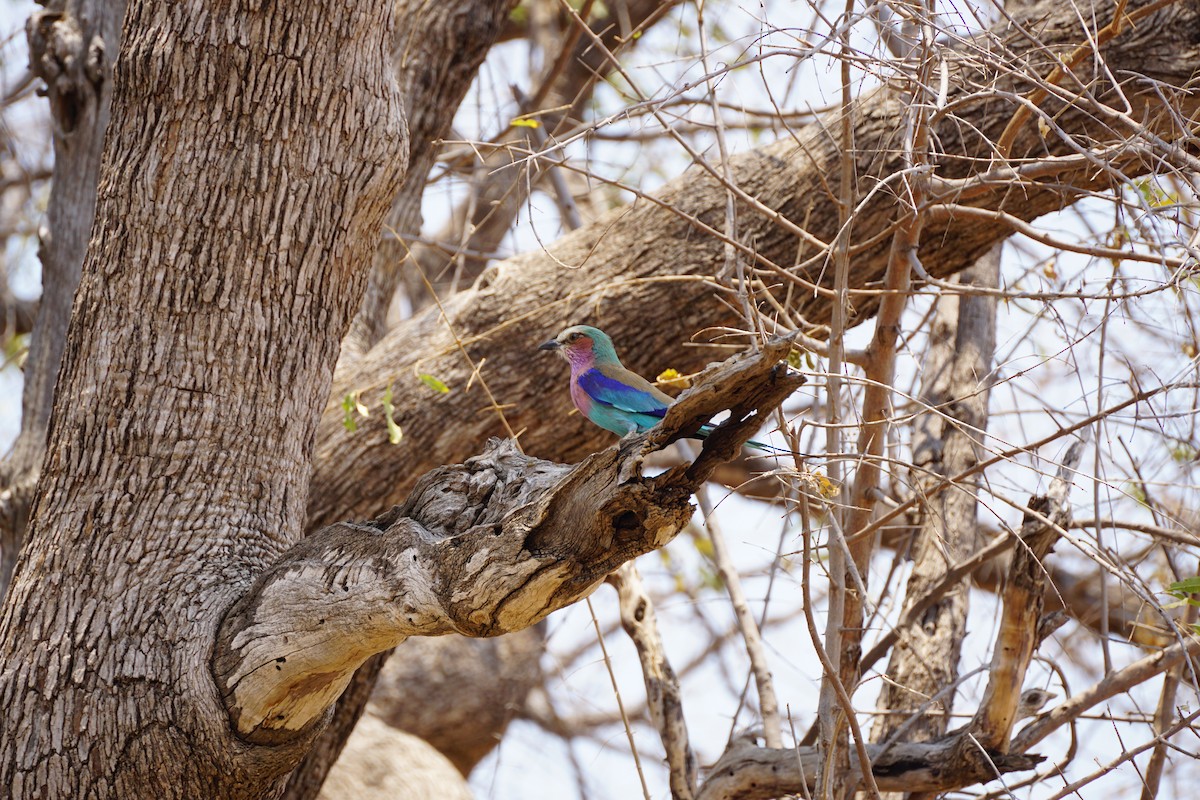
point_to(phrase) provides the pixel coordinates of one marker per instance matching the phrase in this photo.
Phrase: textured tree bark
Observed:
(747, 772)
(435, 53)
(649, 261)
(924, 663)
(503, 179)
(72, 46)
(252, 157)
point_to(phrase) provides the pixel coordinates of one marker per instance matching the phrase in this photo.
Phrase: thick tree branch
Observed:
(436, 54)
(505, 175)
(663, 697)
(463, 726)
(746, 772)
(946, 442)
(72, 48)
(657, 258)
(483, 548)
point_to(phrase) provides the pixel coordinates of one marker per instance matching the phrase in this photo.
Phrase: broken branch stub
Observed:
(482, 548)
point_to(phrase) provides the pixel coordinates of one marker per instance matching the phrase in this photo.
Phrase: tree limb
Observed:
(746, 772)
(663, 697)
(483, 548)
(657, 259)
(1022, 598)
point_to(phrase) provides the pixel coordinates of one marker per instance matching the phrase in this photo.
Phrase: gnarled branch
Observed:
(482, 548)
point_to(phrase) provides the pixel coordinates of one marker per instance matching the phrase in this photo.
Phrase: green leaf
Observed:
(434, 383)
(1185, 586)
(348, 420)
(1183, 452)
(711, 579)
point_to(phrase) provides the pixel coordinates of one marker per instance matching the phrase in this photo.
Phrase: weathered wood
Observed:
(383, 763)
(1017, 638)
(483, 548)
(663, 697)
(946, 442)
(746, 772)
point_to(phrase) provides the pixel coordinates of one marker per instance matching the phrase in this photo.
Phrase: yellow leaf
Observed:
(524, 123)
(827, 488)
(671, 377)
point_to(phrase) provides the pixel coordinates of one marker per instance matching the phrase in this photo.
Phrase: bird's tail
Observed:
(705, 430)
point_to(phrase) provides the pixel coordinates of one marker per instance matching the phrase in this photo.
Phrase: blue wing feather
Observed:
(612, 392)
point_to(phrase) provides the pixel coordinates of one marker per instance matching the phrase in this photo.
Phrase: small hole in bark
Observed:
(626, 521)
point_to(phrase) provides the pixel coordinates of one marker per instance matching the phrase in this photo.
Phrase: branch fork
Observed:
(483, 548)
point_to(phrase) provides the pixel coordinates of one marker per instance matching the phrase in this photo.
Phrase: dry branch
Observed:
(954, 380)
(1022, 599)
(747, 772)
(663, 697)
(482, 548)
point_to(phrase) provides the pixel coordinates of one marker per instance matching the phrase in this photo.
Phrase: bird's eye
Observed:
(574, 337)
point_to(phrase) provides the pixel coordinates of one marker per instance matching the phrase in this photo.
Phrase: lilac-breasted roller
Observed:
(601, 388)
(608, 394)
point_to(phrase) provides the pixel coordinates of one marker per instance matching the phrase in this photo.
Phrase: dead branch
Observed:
(482, 548)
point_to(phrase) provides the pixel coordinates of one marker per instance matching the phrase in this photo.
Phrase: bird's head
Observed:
(583, 345)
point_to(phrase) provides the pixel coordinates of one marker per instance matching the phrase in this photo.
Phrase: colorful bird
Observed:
(608, 394)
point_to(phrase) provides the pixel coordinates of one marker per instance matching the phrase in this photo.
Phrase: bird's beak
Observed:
(550, 345)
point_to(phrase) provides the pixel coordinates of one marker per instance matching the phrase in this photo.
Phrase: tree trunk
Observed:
(436, 55)
(72, 46)
(924, 664)
(252, 157)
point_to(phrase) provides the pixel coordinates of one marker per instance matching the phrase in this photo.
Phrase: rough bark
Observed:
(72, 46)
(484, 548)
(746, 772)
(649, 261)
(249, 165)
(946, 442)
(435, 53)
